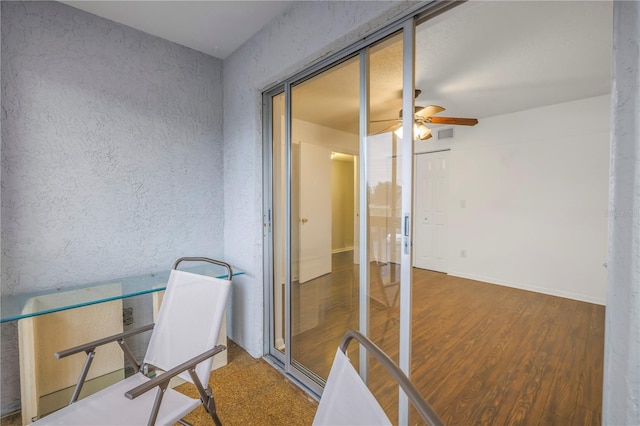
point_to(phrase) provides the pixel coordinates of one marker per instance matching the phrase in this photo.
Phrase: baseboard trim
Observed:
(535, 289)
(12, 417)
(341, 250)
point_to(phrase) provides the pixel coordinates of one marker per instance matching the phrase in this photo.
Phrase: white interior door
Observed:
(315, 211)
(431, 193)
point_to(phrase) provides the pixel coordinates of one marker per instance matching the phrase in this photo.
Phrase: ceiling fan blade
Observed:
(454, 120)
(389, 129)
(429, 111)
(382, 121)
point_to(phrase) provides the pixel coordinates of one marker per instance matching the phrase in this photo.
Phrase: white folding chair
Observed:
(182, 344)
(347, 400)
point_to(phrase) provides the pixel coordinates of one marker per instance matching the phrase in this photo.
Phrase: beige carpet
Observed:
(249, 391)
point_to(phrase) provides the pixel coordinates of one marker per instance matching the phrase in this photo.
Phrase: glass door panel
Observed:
(339, 186)
(324, 273)
(278, 221)
(384, 191)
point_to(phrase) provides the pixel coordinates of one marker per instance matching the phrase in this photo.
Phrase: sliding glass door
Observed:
(324, 147)
(338, 185)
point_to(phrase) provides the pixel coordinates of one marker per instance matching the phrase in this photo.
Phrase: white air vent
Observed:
(445, 133)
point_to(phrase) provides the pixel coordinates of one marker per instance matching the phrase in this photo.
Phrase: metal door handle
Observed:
(304, 220)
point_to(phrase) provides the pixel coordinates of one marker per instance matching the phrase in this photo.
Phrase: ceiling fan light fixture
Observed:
(420, 131)
(423, 132)
(400, 131)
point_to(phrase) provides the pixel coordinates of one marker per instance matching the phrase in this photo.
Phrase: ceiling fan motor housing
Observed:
(415, 110)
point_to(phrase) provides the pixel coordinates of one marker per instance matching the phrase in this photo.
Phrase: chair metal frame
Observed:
(423, 408)
(161, 381)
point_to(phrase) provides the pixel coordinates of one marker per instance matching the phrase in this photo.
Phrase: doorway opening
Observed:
(334, 235)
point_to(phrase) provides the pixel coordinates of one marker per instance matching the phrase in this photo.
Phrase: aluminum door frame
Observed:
(407, 25)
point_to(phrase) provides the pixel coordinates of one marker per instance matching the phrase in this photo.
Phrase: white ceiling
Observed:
(494, 57)
(216, 27)
(481, 59)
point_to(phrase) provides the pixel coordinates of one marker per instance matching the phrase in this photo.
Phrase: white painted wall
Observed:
(305, 32)
(621, 393)
(111, 155)
(535, 186)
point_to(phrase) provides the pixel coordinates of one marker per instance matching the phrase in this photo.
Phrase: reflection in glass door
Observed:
(384, 195)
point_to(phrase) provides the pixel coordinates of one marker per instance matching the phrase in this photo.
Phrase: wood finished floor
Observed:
(482, 353)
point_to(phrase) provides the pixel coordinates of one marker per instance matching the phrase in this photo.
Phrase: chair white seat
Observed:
(110, 407)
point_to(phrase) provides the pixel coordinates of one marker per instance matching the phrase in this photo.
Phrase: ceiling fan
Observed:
(423, 116)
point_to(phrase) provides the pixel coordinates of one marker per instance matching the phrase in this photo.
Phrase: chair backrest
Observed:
(346, 399)
(188, 322)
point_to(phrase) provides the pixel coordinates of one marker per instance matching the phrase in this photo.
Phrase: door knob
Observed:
(304, 220)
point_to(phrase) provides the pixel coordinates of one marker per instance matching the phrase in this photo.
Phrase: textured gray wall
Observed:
(111, 154)
(621, 399)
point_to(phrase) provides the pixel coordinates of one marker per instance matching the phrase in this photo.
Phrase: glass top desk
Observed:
(27, 305)
(59, 318)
